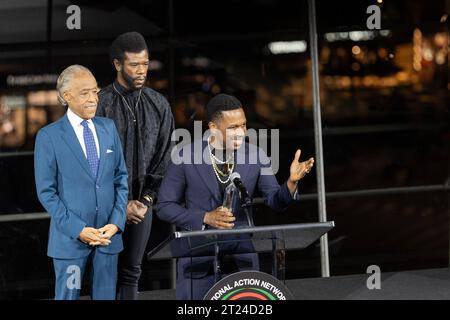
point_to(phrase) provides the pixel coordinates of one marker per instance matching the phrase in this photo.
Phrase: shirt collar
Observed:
(74, 119)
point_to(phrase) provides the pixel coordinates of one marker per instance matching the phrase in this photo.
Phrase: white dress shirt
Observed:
(75, 121)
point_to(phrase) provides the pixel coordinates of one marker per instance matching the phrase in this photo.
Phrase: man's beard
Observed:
(129, 80)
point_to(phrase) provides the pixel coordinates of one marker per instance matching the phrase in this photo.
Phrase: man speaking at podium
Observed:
(191, 192)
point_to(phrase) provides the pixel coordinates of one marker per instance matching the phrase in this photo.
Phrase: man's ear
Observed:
(67, 96)
(117, 65)
(212, 125)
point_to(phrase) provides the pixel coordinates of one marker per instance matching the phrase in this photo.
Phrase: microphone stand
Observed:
(246, 204)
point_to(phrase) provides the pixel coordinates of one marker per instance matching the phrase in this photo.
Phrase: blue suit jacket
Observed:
(69, 192)
(196, 186)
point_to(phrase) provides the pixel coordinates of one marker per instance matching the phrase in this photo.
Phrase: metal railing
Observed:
(305, 197)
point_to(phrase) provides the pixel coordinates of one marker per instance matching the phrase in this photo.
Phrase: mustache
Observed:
(133, 79)
(130, 80)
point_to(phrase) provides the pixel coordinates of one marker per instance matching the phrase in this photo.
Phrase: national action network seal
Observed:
(249, 285)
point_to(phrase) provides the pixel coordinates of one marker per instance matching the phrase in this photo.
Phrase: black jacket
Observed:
(147, 142)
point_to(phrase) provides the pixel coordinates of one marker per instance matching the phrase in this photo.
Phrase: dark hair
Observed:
(219, 103)
(127, 42)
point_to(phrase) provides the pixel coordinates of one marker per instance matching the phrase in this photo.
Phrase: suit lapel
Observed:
(242, 169)
(208, 176)
(242, 162)
(72, 142)
(205, 170)
(101, 136)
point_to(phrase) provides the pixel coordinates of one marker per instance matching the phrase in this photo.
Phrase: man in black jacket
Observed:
(144, 120)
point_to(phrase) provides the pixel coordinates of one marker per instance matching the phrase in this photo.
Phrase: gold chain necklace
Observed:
(217, 171)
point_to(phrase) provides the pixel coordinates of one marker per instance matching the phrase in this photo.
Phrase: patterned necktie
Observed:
(91, 149)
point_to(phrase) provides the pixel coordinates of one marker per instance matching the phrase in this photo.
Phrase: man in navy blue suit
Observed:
(81, 180)
(191, 193)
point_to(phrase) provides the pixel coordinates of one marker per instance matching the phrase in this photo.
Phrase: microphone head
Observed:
(235, 175)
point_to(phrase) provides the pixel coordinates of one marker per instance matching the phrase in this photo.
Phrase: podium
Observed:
(276, 239)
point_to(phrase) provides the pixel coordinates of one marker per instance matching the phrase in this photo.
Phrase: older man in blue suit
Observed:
(191, 193)
(81, 180)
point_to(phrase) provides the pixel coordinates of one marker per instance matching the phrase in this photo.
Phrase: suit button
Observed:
(97, 186)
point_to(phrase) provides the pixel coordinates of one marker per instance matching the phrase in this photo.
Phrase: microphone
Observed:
(246, 201)
(245, 198)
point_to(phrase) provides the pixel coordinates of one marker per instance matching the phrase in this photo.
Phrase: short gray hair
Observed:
(65, 79)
